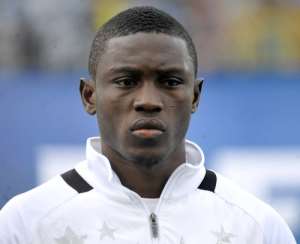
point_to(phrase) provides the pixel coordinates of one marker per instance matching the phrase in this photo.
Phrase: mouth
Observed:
(148, 128)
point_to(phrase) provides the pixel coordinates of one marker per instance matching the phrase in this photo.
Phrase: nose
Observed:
(148, 99)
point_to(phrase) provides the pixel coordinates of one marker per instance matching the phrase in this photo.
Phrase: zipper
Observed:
(153, 219)
(154, 225)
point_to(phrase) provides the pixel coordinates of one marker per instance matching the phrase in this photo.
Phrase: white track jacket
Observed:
(89, 205)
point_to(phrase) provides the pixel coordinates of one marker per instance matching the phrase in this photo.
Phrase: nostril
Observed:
(139, 109)
(148, 108)
(157, 109)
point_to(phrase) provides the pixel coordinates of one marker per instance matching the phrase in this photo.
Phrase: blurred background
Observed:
(248, 122)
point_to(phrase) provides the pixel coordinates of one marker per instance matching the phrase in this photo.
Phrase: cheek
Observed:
(180, 112)
(181, 104)
(111, 113)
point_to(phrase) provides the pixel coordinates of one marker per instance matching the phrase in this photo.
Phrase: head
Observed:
(143, 66)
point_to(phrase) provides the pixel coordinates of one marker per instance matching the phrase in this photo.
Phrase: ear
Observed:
(87, 90)
(197, 93)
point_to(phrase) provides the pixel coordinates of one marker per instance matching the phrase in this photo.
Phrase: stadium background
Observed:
(248, 123)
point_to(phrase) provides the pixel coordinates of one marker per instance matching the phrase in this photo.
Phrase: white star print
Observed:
(222, 236)
(181, 240)
(70, 238)
(106, 231)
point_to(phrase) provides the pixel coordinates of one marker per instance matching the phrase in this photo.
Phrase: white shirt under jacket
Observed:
(88, 205)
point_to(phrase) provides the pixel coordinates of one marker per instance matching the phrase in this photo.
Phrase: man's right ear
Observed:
(87, 90)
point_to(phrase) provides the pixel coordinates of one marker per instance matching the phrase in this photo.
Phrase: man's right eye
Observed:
(126, 82)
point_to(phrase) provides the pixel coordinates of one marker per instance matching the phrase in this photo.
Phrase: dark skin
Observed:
(143, 97)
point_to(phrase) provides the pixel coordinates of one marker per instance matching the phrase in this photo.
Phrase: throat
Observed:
(149, 177)
(147, 182)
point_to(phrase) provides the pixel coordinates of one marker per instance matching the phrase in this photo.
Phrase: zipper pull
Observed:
(154, 225)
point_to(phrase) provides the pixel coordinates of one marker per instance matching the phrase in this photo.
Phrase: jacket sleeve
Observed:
(12, 228)
(276, 231)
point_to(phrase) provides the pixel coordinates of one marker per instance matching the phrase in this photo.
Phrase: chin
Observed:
(147, 159)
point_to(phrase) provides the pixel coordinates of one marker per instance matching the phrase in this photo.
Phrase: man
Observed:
(141, 182)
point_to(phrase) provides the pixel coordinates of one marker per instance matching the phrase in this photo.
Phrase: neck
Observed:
(147, 181)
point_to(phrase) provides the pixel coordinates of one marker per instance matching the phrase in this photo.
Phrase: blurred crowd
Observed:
(229, 35)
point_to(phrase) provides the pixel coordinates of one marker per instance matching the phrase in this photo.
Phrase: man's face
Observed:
(145, 93)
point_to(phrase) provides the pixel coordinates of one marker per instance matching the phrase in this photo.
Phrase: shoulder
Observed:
(23, 212)
(48, 195)
(273, 227)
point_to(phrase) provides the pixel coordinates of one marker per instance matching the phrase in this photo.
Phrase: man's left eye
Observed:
(172, 82)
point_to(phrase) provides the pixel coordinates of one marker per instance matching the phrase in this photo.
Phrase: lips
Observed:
(149, 124)
(148, 128)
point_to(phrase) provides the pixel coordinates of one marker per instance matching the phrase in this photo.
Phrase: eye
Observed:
(172, 82)
(126, 82)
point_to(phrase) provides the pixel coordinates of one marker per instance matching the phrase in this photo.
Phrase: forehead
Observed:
(146, 50)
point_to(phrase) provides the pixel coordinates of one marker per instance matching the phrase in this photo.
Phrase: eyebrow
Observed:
(160, 71)
(124, 69)
(171, 70)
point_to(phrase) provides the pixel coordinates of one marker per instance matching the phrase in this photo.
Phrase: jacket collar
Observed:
(187, 177)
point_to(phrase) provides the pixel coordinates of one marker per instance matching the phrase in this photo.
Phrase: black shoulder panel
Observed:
(209, 182)
(73, 179)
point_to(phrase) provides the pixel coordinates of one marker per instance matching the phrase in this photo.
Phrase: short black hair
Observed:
(138, 19)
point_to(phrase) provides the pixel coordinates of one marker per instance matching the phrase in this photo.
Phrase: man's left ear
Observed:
(197, 93)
